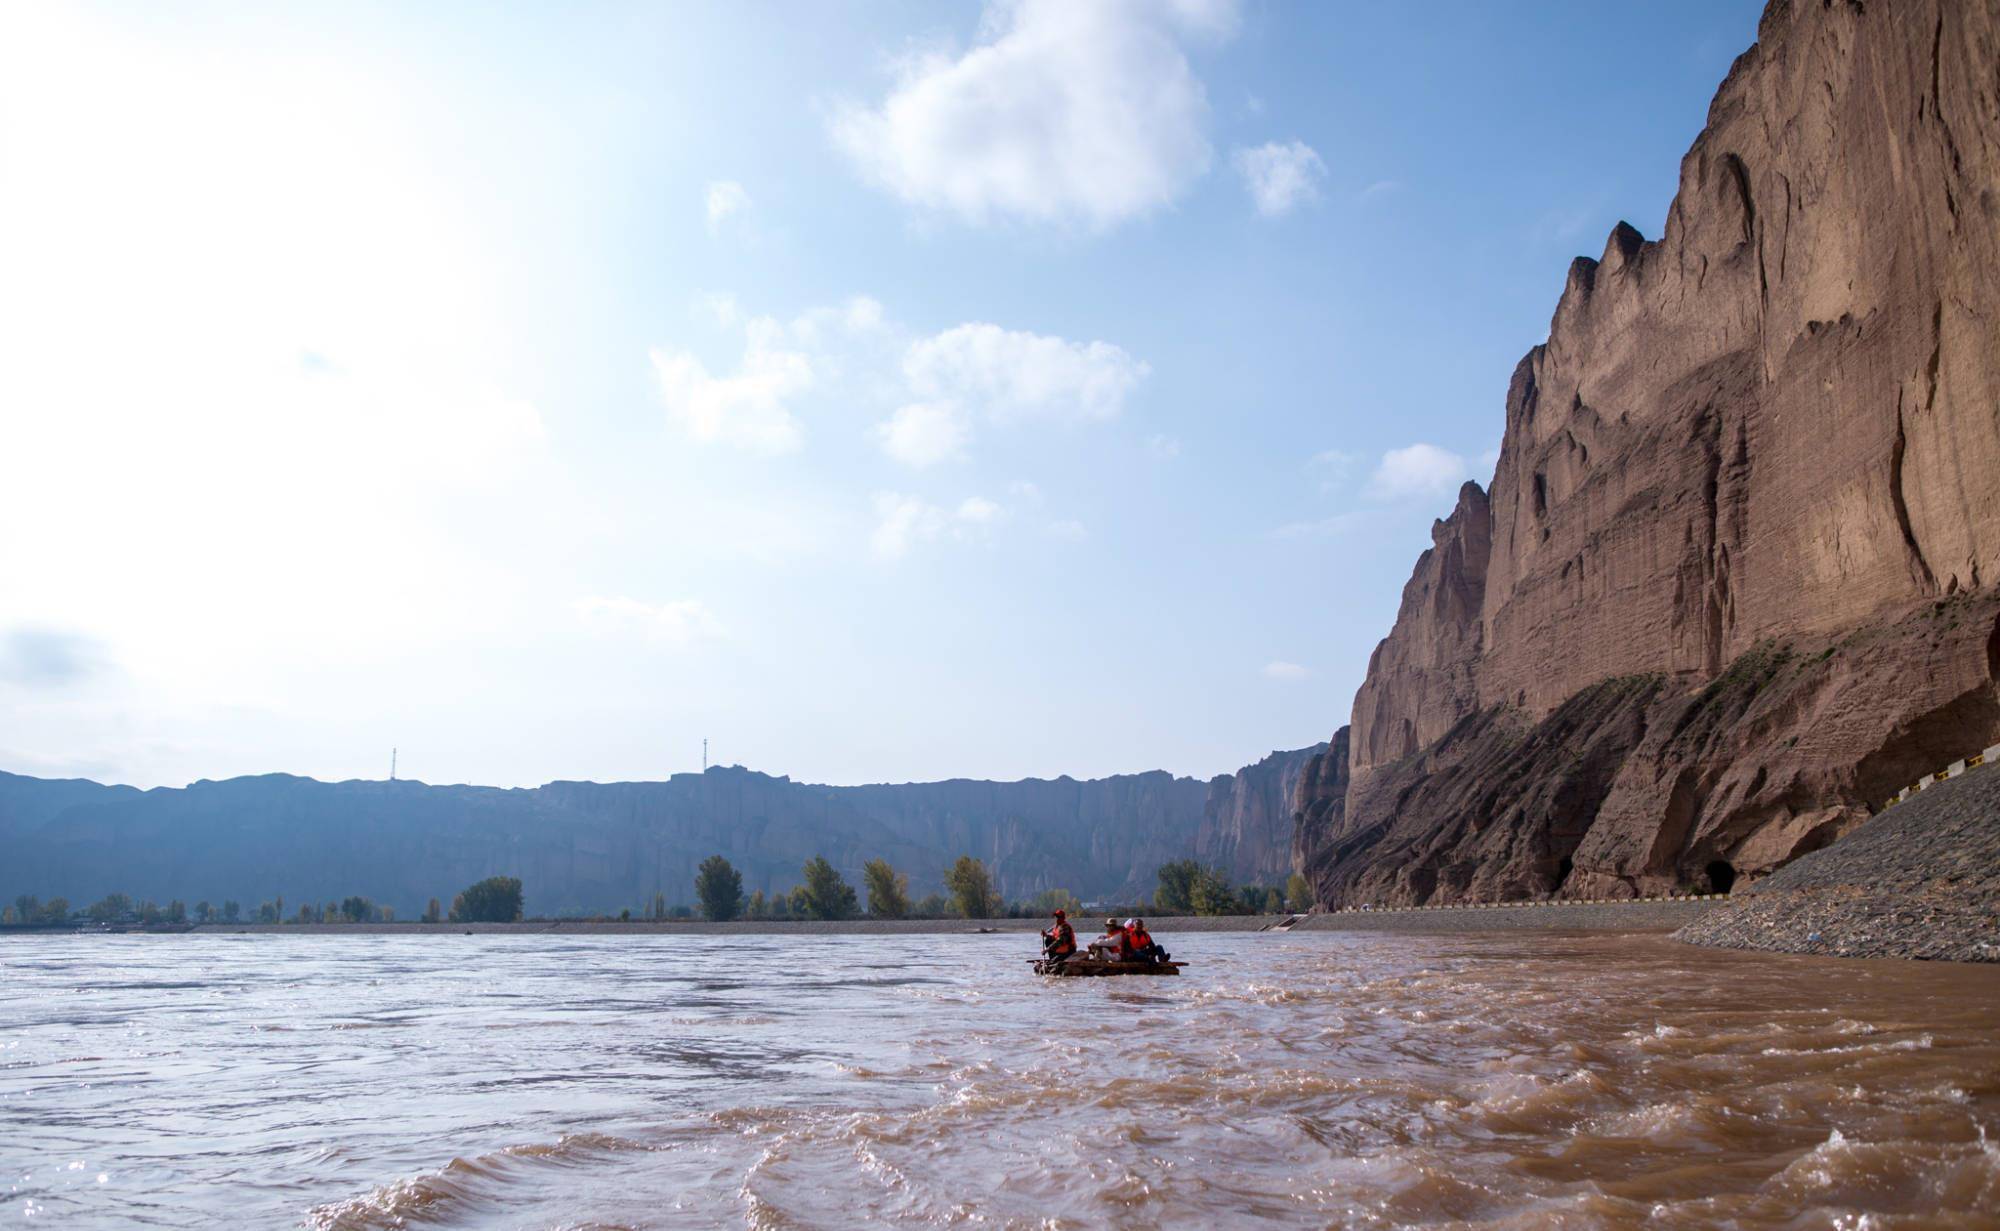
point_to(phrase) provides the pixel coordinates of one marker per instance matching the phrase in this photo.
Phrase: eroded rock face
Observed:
(1246, 825)
(1771, 435)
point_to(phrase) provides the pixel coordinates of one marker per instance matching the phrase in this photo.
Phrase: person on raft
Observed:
(1059, 940)
(1144, 947)
(1115, 945)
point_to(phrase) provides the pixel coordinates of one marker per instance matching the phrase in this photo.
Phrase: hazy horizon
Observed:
(874, 392)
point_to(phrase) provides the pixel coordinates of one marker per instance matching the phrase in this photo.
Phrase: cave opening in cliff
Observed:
(1563, 868)
(1721, 876)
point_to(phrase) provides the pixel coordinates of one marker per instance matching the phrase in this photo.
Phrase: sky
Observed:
(880, 391)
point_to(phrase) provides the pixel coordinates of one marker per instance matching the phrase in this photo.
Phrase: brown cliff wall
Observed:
(1734, 572)
(1246, 824)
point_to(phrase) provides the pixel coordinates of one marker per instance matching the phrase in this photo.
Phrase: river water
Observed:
(1311, 1080)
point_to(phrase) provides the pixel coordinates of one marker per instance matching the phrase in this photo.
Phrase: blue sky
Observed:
(886, 391)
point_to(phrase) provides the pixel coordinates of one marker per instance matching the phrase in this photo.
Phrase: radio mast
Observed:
(704, 754)
(392, 765)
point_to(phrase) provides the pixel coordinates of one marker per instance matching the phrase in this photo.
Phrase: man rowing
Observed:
(1059, 940)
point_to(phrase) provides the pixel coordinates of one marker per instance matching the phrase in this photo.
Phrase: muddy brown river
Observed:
(1316, 1080)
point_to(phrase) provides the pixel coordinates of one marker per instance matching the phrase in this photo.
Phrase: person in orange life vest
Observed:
(1114, 946)
(1143, 947)
(1059, 941)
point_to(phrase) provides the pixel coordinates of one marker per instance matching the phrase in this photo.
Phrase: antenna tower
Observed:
(392, 765)
(704, 754)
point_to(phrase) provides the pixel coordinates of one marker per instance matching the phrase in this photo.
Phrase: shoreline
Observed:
(1653, 916)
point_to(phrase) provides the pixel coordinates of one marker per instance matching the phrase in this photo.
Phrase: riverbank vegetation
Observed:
(1185, 887)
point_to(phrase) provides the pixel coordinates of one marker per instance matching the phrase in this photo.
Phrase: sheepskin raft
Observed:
(1090, 967)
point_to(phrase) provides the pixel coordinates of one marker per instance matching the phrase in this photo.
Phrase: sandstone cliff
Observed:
(1733, 579)
(1246, 825)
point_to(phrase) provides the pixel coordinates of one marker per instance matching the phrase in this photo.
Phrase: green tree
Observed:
(307, 914)
(357, 909)
(55, 910)
(267, 913)
(1299, 892)
(757, 907)
(111, 906)
(888, 890)
(932, 907)
(497, 899)
(433, 913)
(1177, 880)
(971, 889)
(232, 910)
(203, 912)
(1210, 894)
(27, 908)
(719, 887)
(1049, 901)
(827, 895)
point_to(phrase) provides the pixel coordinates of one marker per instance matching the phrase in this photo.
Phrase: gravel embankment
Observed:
(1662, 916)
(1921, 880)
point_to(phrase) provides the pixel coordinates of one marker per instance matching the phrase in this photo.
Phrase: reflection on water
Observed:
(1305, 1080)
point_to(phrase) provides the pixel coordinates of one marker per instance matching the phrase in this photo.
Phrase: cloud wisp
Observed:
(1418, 471)
(1060, 113)
(725, 199)
(934, 388)
(681, 622)
(1281, 176)
(903, 522)
(37, 657)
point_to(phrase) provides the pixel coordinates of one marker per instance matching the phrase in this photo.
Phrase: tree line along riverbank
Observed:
(1184, 887)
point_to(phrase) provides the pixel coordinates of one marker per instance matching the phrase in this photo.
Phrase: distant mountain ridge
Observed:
(600, 847)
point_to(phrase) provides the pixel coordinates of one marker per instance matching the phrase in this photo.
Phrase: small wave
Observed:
(1922, 1042)
(460, 1184)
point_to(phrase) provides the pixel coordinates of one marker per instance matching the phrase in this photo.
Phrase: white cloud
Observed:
(1419, 470)
(1332, 467)
(924, 434)
(1068, 528)
(930, 390)
(1281, 670)
(747, 409)
(1012, 374)
(1062, 111)
(1280, 177)
(725, 199)
(1329, 527)
(680, 622)
(903, 522)
(1165, 448)
(979, 511)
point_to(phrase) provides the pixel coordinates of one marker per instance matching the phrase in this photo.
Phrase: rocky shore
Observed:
(1922, 880)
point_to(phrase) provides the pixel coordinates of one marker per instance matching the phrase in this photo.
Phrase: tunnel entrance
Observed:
(1563, 869)
(1721, 876)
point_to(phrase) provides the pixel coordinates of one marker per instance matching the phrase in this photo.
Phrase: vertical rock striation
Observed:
(1733, 579)
(1246, 824)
